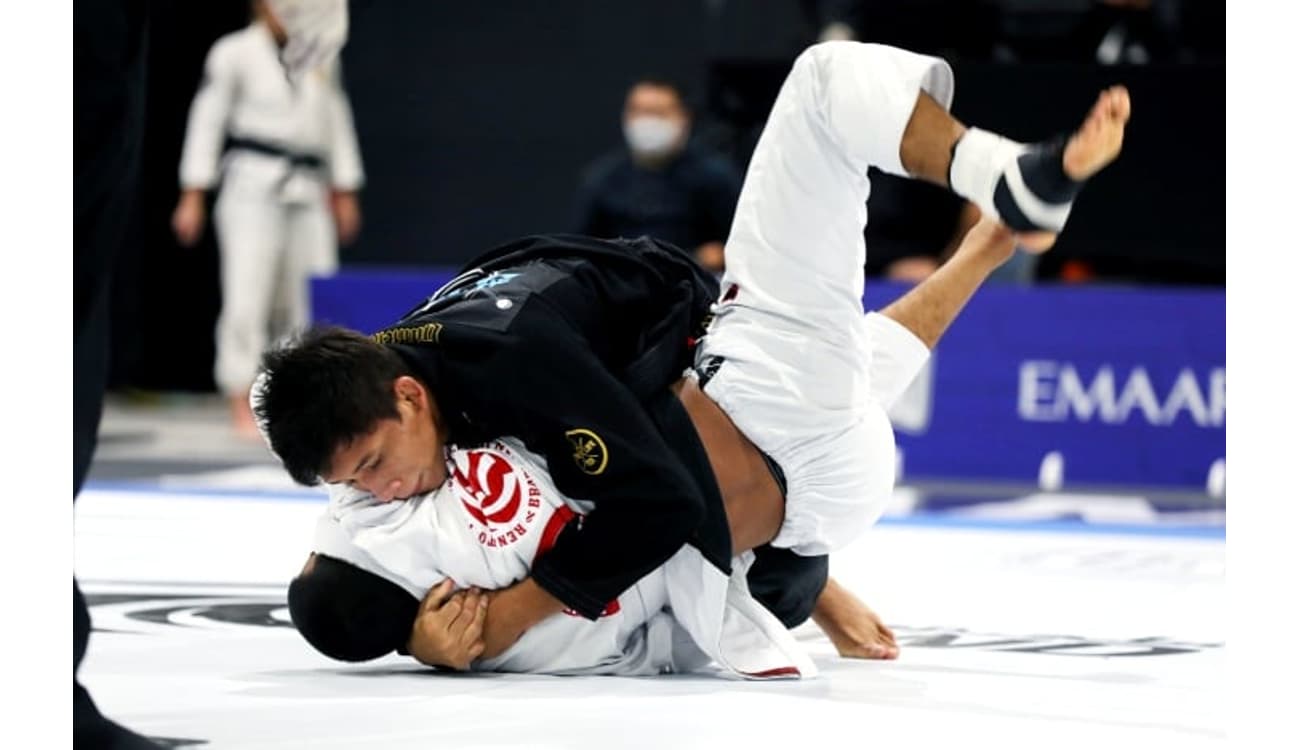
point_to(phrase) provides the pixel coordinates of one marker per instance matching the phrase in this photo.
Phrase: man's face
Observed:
(654, 120)
(400, 457)
(654, 101)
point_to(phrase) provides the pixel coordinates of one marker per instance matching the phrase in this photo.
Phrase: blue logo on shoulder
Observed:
(495, 279)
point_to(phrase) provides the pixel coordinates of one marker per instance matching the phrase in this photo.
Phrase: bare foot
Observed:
(856, 631)
(1098, 141)
(1093, 146)
(242, 419)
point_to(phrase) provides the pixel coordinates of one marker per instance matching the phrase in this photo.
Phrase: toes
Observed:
(884, 652)
(1112, 104)
(1118, 104)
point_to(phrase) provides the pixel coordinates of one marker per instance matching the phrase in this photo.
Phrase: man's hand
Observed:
(347, 216)
(512, 611)
(189, 217)
(711, 256)
(448, 630)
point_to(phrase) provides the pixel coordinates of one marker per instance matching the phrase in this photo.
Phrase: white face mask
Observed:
(651, 136)
(317, 30)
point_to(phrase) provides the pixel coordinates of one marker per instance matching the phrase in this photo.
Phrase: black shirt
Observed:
(688, 202)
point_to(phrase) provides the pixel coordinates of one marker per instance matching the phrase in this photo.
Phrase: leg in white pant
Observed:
(251, 233)
(311, 250)
(799, 354)
(796, 242)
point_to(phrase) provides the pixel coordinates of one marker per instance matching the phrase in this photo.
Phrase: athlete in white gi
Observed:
(495, 514)
(284, 151)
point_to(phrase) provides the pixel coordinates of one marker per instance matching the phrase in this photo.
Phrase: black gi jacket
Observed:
(569, 344)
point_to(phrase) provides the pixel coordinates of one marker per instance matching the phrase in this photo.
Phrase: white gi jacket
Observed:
(247, 94)
(498, 511)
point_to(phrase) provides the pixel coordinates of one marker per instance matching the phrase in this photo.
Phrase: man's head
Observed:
(312, 32)
(347, 613)
(341, 408)
(656, 120)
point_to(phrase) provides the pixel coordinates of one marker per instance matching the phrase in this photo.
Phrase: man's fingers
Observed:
(478, 615)
(437, 596)
(468, 611)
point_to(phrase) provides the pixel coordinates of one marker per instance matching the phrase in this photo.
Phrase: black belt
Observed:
(310, 161)
(706, 371)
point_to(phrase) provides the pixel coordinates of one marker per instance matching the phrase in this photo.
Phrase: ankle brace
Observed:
(1024, 187)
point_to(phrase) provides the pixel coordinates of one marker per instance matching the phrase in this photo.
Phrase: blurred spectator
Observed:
(947, 28)
(662, 184)
(1106, 32)
(285, 153)
(1111, 32)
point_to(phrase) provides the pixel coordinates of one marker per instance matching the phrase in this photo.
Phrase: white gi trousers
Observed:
(269, 249)
(805, 374)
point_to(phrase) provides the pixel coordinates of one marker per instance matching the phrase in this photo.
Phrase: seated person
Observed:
(661, 185)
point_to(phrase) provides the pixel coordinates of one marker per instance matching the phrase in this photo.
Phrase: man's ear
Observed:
(410, 390)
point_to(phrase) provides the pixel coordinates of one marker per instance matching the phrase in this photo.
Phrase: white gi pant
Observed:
(806, 376)
(270, 244)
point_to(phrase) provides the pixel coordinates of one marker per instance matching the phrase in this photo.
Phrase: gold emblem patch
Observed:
(588, 451)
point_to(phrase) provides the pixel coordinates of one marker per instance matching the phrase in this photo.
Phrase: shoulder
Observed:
(230, 48)
(710, 167)
(605, 167)
(234, 41)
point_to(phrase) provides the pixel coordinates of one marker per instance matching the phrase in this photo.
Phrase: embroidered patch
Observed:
(589, 451)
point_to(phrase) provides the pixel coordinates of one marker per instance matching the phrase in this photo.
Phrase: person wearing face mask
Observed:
(660, 184)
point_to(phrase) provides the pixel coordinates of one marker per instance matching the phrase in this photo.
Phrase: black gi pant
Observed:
(108, 112)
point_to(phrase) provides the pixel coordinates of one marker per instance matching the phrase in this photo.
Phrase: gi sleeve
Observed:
(601, 446)
(344, 154)
(205, 133)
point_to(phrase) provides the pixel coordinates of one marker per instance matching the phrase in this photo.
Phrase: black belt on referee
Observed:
(297, 159)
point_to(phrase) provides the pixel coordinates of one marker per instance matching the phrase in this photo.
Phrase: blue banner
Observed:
(1125, 386)
(1120, 386)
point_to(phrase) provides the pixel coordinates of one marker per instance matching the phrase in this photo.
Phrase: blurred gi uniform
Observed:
(277, 145)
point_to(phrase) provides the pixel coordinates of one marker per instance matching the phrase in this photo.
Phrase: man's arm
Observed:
(346, 174)
(205, 135)
(601, 446)
(510, 612)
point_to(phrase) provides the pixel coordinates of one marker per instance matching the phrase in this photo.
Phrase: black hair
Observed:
(349, 614)
(322, 390)
(665, 82)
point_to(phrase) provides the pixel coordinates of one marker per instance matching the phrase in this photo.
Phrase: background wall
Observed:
(476, 118)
